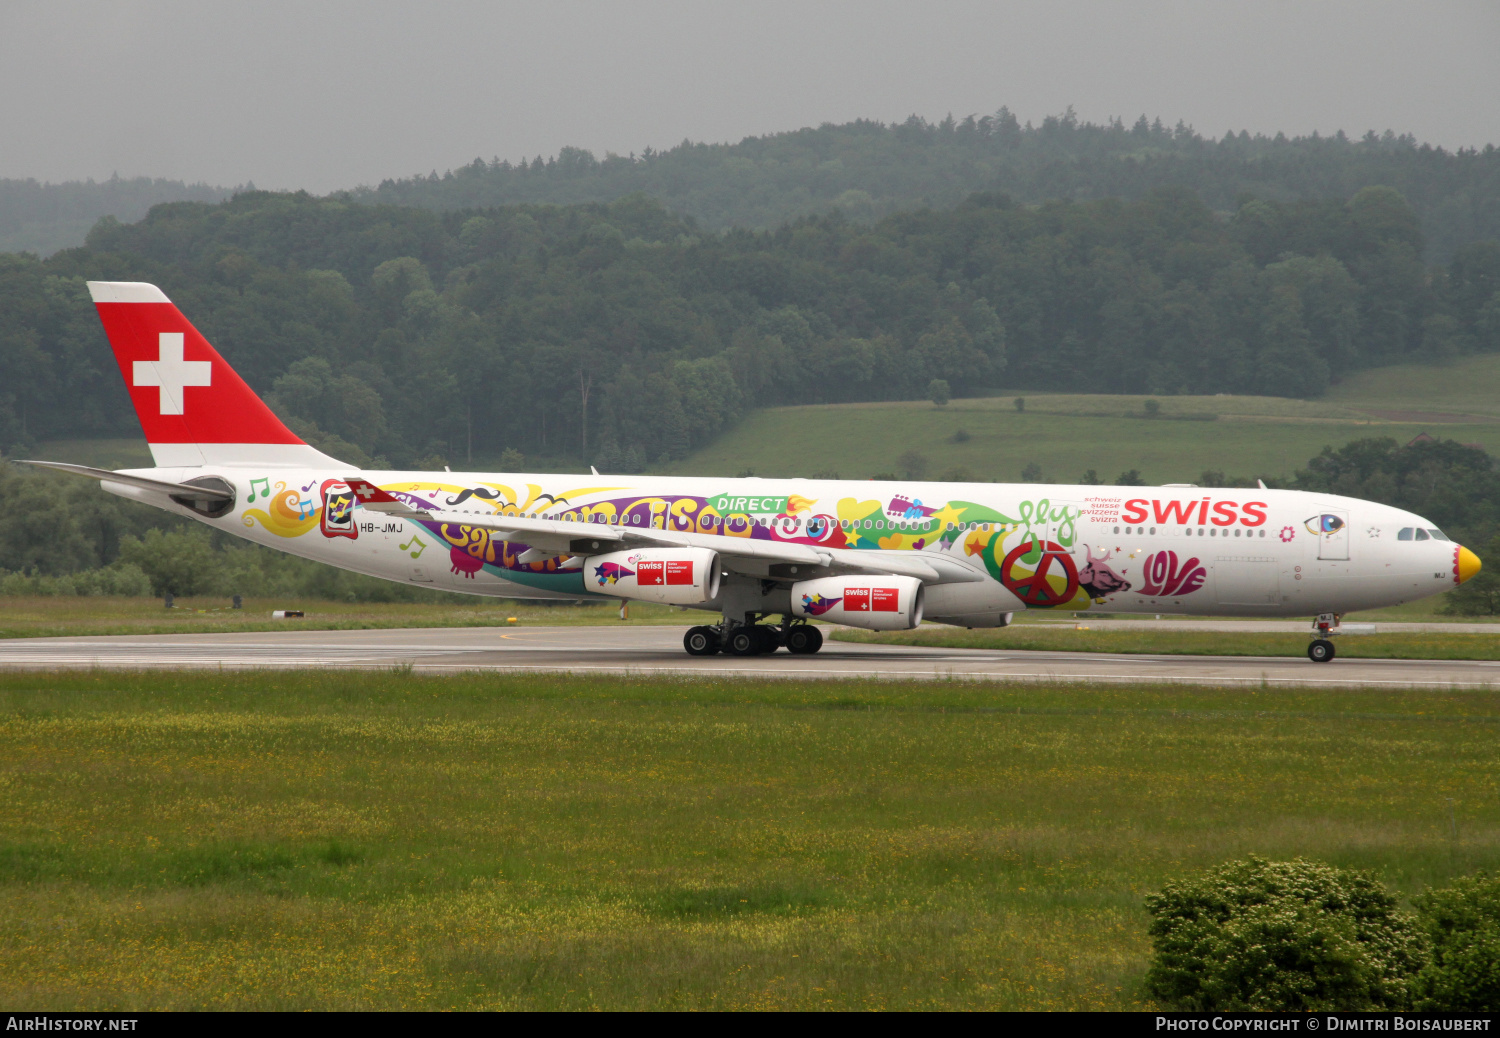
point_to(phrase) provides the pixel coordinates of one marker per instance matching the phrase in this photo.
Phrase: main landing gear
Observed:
(752, 639)
(1320, 649)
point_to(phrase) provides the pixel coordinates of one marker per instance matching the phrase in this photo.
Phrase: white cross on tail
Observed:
(170, 373)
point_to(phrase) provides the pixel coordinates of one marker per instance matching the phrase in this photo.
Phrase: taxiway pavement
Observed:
(658, 650)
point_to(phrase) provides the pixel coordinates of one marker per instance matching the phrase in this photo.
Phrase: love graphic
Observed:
(1164, 578)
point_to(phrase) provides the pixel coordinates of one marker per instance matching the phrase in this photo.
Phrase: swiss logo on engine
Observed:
(657, 574)
(872, 600)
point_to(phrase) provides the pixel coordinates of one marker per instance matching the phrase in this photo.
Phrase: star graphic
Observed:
(945, 515)
(1374, 531)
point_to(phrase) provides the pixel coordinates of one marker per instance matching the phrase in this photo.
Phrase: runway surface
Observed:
(658, 650)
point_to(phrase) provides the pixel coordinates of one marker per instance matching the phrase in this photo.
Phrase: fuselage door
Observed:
(1332, 529)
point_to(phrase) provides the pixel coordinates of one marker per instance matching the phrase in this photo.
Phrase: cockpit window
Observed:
(1422, 534)
(1405, 534)
(1438, 535)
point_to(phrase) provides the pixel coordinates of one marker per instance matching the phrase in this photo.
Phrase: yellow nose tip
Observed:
(1465, 564)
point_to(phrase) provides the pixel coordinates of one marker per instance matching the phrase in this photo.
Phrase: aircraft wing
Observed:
(743, 554)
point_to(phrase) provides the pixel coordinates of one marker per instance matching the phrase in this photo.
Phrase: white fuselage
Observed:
(1121, 549)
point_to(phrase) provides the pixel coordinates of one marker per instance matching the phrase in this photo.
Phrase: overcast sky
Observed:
(329, 95)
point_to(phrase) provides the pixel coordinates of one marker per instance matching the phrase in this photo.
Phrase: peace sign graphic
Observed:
(1034, 586)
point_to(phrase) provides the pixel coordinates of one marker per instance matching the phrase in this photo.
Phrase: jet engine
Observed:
(875, 603)
(673, 576)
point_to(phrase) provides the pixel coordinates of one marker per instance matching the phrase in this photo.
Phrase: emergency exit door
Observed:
(1332, 529)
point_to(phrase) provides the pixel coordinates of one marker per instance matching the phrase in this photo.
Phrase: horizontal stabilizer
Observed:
(145, 483)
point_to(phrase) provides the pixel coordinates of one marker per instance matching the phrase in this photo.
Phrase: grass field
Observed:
(316, 841)
(76, 616)
(1468, 386)
(1097, 637)
(131, 453)
(1066, 434)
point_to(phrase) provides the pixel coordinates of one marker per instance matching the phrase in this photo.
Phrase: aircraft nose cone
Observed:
(1465, 564)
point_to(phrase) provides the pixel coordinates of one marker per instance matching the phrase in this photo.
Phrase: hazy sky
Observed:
(329, 95)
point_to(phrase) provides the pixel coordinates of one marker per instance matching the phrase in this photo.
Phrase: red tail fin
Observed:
(193, 407)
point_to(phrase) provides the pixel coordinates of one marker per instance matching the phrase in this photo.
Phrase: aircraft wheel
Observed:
(743, 641)
(1320, 651)
(804, 639)
(700, 641)
(770, 638)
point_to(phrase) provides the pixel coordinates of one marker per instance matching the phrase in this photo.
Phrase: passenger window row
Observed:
(1196, 531)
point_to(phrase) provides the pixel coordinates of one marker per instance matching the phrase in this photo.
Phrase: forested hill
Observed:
(621, 333)
(43, 218)
(870, 169)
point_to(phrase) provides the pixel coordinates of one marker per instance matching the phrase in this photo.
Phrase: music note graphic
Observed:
(421, 547)
(305, 508)
(265, 488)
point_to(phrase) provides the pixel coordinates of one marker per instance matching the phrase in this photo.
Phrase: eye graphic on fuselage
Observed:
(1324, 524)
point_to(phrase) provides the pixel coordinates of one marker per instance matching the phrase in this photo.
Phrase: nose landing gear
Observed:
(1320, 649)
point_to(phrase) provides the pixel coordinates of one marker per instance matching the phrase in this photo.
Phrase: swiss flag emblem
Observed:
(183, 391)
(170, 374)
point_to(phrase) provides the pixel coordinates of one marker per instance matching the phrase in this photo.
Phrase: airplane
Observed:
(880, 556)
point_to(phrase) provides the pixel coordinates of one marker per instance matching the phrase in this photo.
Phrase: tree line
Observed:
(870, 169)
(42, 218)
(624, 333)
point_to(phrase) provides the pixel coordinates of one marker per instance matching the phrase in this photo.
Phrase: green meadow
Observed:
(385, 840)
(1068, 434)
(76, 616)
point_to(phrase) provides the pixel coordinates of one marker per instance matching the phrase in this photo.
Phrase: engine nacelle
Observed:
(673, 576)
(875, 603)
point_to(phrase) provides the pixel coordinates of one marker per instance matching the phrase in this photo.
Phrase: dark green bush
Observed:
(1463, 927)
(1293, 935)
